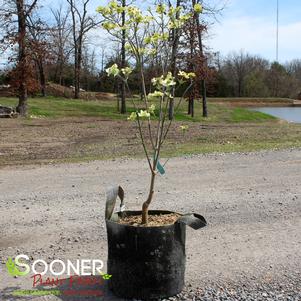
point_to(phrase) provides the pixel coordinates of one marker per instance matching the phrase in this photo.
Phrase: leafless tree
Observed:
(89, 70)
(40, 50)
(60, 38)
(237, 67)
(82, 23)
(294, 68)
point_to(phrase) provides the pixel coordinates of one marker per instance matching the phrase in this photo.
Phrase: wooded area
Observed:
(57, 47)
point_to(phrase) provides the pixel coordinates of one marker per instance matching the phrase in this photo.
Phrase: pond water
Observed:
(291, 114)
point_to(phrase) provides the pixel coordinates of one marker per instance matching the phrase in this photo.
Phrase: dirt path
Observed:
(252, 203)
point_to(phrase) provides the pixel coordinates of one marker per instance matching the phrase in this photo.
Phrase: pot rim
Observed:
(151, 212)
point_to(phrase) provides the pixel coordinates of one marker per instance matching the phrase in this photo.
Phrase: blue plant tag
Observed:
(160, 168)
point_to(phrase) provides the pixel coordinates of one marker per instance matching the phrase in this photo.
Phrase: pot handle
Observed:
(112, 194)
(193, 220)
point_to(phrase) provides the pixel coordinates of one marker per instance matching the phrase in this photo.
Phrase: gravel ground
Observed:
(243, 292)
(251, 249)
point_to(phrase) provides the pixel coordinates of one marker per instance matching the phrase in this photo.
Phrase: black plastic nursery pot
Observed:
(148, 262)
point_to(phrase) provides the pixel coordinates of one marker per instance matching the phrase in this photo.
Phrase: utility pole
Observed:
(277, 33)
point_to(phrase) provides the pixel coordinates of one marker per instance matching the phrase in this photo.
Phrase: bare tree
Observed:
(294, 69)
(237, 67)
(89, 71)
(280, 82)
(60, 38)
(40, 48)
(82, 23)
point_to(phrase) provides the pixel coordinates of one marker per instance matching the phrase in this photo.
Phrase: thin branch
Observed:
(143, 143)
(31, 7)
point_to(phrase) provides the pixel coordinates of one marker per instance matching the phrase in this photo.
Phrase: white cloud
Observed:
(256, 36)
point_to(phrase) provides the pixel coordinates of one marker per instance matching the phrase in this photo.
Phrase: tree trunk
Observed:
(203, 82)
(174, 52)
(277, 87)
(123, 62)
(191, 106)
(77, 79)
(42, 78)
(149, 200)
(191, 67)
(118, 96)
(204, 92)
(77, 82)
(60, 62)
(60, 72)
(22, 105)
(60, 77)
(77, 69)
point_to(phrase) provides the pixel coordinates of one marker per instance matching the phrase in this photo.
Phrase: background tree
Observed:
(82, 23)
(60, 40)
(175, 36)
(123, 58)
(280, 82)
(23, 14)
(14, 15)
(200, 29)
(236, 68)
(255, 81)
(39, 47)
(23, 11)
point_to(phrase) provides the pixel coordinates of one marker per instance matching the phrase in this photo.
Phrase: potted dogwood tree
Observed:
(146, 248)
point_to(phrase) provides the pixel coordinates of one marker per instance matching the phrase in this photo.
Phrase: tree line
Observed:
(57, 46)
(243, 75)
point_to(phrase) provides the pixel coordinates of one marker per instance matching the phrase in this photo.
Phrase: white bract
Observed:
(198, 8)
(113, 70)
(148, 34)
(144, 114)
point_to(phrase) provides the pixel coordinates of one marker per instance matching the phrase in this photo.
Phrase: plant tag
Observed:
(160, 168)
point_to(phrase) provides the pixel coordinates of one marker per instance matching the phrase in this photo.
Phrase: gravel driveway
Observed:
(251, 249)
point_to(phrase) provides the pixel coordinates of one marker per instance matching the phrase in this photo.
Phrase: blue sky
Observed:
(250, 25)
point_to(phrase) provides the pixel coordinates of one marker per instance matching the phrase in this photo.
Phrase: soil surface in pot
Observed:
(153, 220)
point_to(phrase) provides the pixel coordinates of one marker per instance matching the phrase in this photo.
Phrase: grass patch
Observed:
(60, 107)
(51, 107)
(57, 138)
(254, 100)
(195, 148)
(242, 115)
